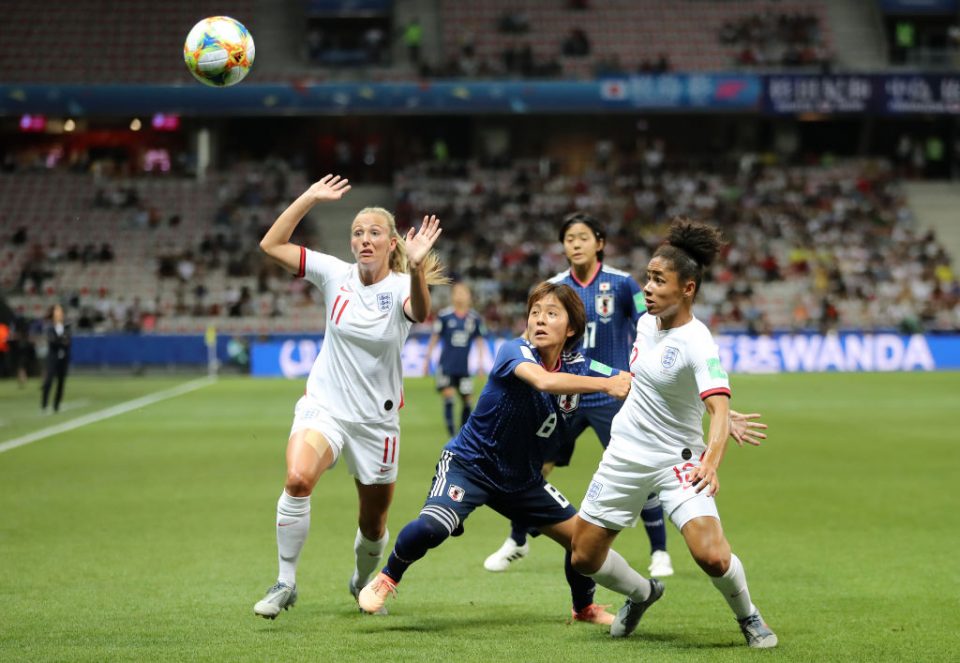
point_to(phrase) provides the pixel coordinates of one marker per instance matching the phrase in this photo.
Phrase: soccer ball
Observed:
(219, 51)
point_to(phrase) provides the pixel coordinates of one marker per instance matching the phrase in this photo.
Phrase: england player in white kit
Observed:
(355, 388)
(656, 443)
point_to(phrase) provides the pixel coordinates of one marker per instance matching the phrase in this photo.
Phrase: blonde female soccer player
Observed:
(656, 443)
(355, 388)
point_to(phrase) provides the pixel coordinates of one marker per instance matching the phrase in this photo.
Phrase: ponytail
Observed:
(691, 247)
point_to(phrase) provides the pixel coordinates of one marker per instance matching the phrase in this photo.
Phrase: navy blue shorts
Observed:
(462, 383)
(459, 490)
(598, 418)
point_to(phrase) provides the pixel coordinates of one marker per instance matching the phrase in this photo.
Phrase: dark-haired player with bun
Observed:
(657, 445)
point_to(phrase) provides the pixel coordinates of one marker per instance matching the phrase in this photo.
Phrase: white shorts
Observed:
(620, 488)
(371, 450)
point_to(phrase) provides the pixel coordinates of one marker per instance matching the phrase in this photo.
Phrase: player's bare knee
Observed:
(584, 564)
(298, 484)
(372, 526)
(714, 560)
(373, 532)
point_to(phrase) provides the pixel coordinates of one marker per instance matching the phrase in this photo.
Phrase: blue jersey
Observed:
(614, 303)
(514, 428)
(456, 336)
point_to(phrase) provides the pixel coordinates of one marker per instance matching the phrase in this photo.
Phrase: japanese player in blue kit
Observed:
(457, 329)
(521, 417)
(613, 304)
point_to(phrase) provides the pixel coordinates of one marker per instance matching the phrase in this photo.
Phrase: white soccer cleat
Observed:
(757, 633)
(660, 564)
(508, 553)
(279, 597)
(629, 616)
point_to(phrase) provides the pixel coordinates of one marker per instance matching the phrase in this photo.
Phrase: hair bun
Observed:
(698, 240)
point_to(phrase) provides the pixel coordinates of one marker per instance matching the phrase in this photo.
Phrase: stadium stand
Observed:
(132, 39)
(811, 248)
(624, 34)
(176, 257)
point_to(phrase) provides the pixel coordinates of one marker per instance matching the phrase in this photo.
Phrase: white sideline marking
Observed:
(112, 411)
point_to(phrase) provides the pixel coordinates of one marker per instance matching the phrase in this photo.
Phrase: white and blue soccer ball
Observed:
(219, 51)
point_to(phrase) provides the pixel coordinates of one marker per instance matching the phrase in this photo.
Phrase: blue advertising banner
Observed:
(792, 353)
(684, 91)
(775, 94)
(919, 93)
(714, 91)
(293, 358)
(739, 353)
(347, 7)
(143, 350)
(811, 93)
(916, 7)
(881, 94)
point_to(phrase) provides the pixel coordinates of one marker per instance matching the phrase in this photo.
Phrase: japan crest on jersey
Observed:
(385, 301)
(604, 305)
(456, 493)
(669, 356)
(568, 402)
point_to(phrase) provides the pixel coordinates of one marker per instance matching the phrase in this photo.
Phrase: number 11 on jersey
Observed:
(590, 336)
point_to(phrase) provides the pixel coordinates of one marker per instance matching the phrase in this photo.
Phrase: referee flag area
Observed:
(139, 525)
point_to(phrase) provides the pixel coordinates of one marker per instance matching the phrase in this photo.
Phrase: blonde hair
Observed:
(432, 267)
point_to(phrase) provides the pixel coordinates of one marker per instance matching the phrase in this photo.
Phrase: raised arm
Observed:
(540, 379)
(419, 243)
(276, 243)
(705, 475)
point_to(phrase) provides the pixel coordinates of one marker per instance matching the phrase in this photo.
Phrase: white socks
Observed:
(369, 554)
(293, 524)
(733, 586)
(615, 574)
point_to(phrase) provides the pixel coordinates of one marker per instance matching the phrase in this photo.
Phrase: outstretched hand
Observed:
(419, 242)
(743, 428)
(331, 187)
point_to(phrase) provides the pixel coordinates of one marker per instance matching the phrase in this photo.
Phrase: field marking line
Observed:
(112, 411)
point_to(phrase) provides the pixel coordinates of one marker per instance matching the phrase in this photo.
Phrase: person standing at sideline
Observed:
(59, 337)
(457, 328)
(355, 389)
(656, 443)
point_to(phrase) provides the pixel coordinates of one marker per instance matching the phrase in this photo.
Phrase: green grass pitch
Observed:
(148, 536)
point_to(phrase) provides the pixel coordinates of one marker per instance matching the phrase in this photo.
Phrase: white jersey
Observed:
(673, 371)
(358, 376)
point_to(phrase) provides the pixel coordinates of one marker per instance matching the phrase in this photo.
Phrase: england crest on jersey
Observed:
(604, 305)
(385, 301)
(568, 402)
(669, 356)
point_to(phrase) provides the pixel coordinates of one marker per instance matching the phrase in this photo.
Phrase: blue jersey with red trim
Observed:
(456, 336)
(614, 303)
(514, 428)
